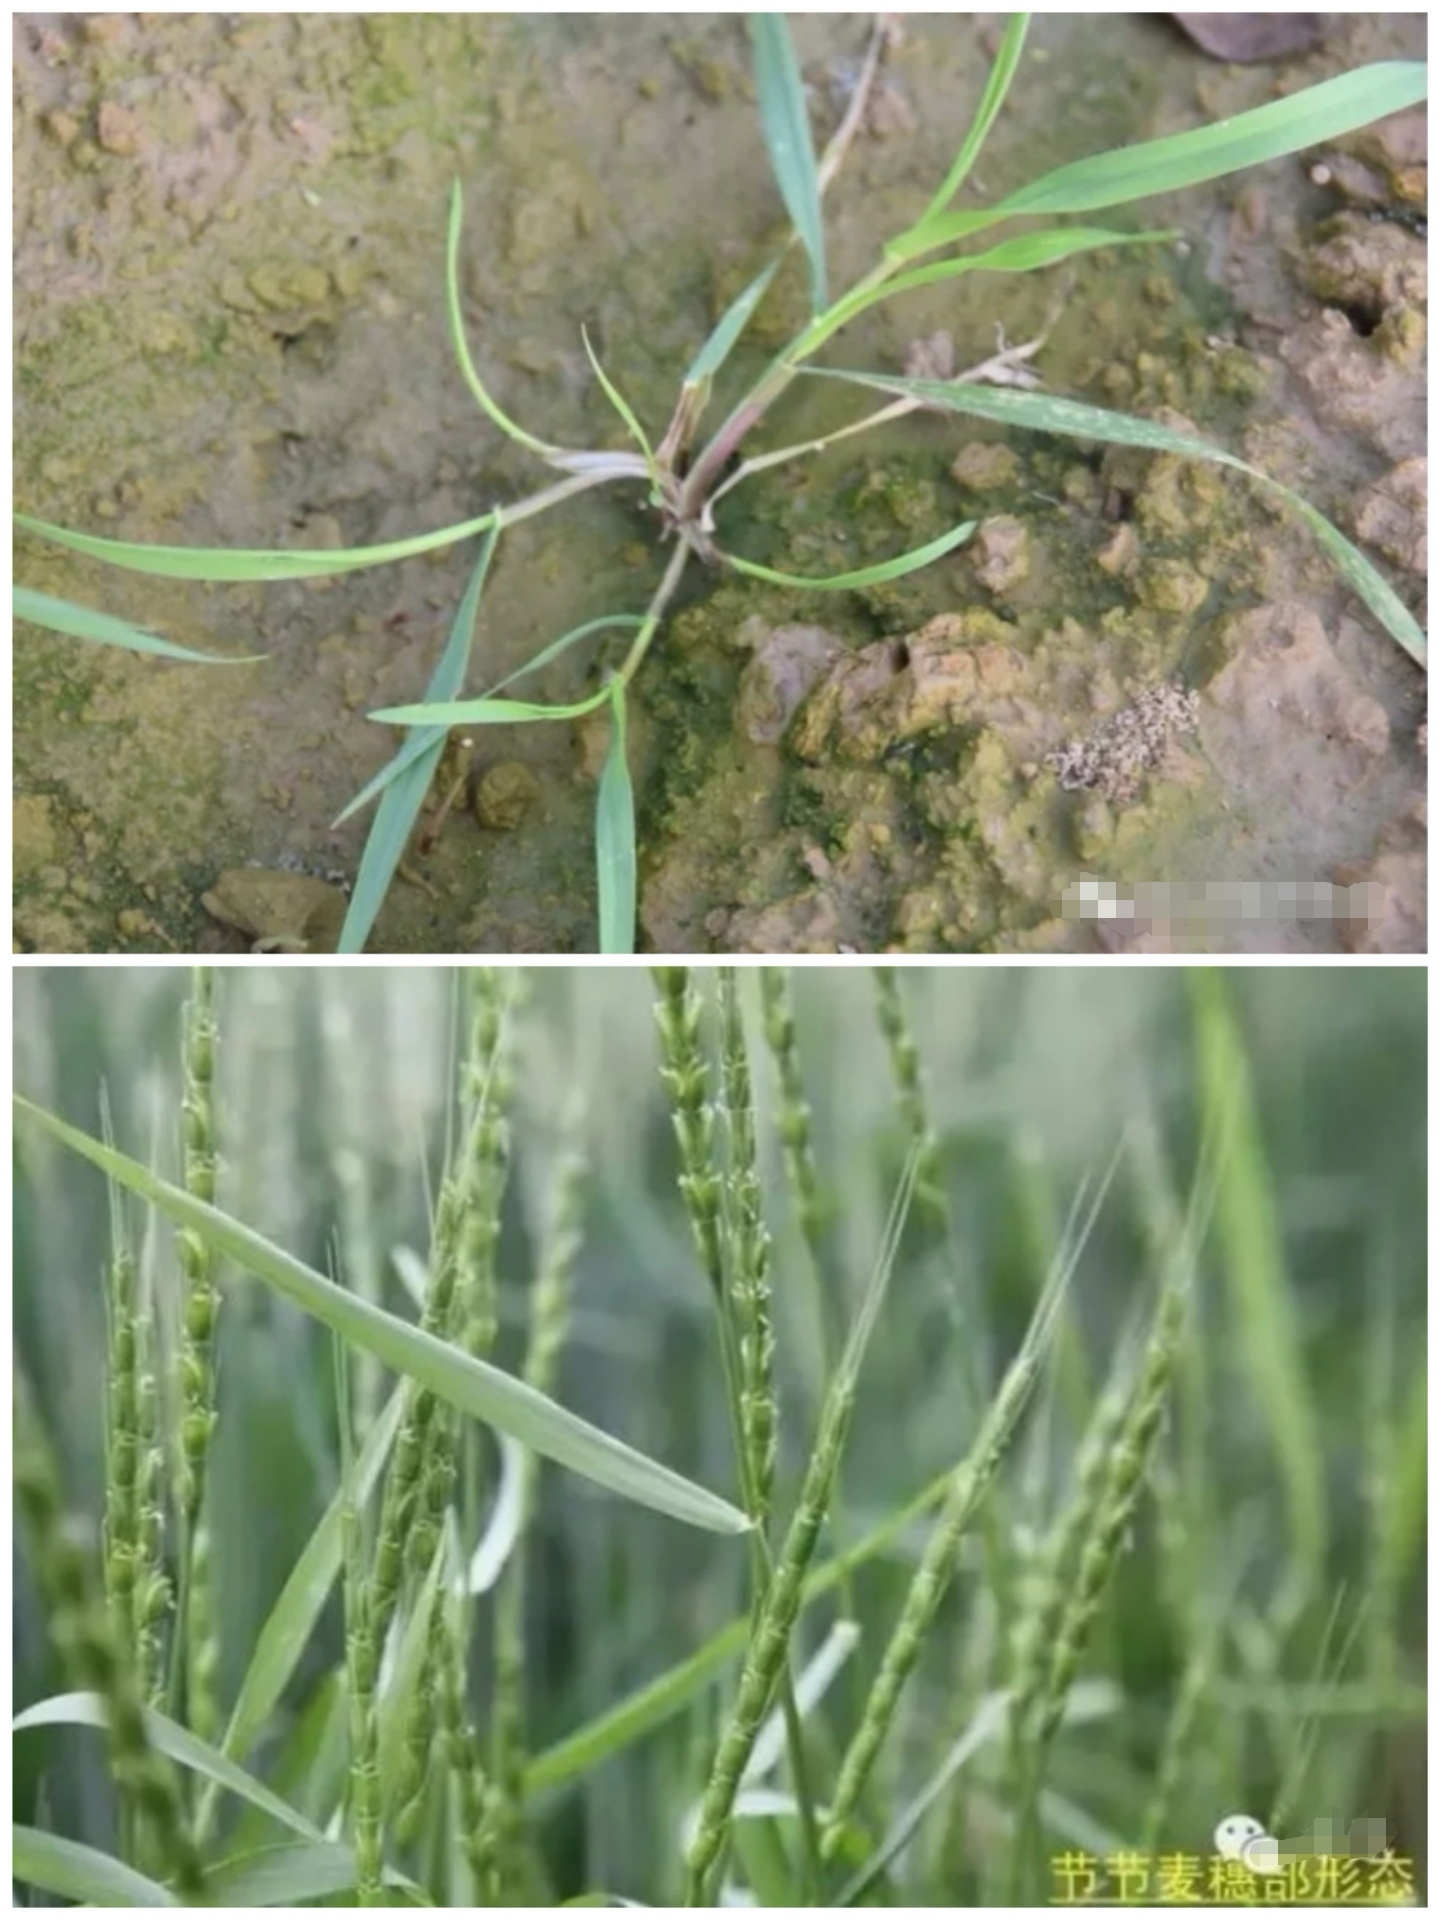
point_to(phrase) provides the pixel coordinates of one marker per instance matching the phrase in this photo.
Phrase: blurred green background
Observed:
(1298, 1425)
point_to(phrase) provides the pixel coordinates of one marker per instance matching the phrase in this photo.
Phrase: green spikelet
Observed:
(682, 1070)
(747, 1246)
(794, 1115)
(200, 1306)
(81, 1624)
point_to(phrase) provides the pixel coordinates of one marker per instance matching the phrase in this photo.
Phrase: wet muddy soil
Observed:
(229, 330)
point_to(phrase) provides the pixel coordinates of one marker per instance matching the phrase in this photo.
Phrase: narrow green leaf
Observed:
(483, 1392)
(504, 1527)
(415, 746)
(615, 837)
(475, 713)
(290, 1875)
(1027, 253)
(182, 1746)
(1048, 413)
(656, 1701)
(80, 1873)
(621, 405)
(601, 1900)
(991, 100)
(84, 623)
(566, 640)
(240, 564)
(865, 576)
(811, 1686)
(490, 709)
(728, 328)
(988, 1721)
(1087, 1700)
(424, 737)
(291, 1621)
(1281, 127)
(491, 408)
(769, 1873)
(308, 1768)
(787, 135)
(1180, 160)
(405, 792)
(1363, 579)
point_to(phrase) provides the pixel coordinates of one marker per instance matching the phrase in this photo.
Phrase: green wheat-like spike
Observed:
(794, 1113)
(154, 1595)
(94, 1658)
(422, 1716)
(407, 1499)
(550, 1302)
(401, 1500)
(486, 1158)
(137, 1592)
(462, 1299)
(769, 1643)
(125, 1446)
(748, 1262)
(199, 1310)
(462, 1752)
(768, 1646)
(1039, 1622)
(683, 1074)
(968, 1487)
(1178, 1747)
(362, 1668)
(1111, 1507)
(910, 1091)
(1119, 1494)
(549, 1323)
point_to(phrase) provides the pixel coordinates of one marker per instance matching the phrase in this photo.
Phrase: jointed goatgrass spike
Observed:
(968, 1488)
(769, 1644)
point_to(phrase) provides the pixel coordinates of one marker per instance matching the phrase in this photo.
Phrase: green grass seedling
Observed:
(684, 478)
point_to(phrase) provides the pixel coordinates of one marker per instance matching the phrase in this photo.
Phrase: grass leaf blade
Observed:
(622, 407)
(226, 564)
(291, 1620)
(483, 1392)
(1007, 59)
(787, 135)
(1026, 253)
(1051, 413)
(1137, 172)
(615, 837)
(488, 406)
(1270, 132)
(864, 576)
(562, 645)
(85, 623)
(728, 328)
(484, 712)
(182, 1746)
(80, 1873)
(409, 783)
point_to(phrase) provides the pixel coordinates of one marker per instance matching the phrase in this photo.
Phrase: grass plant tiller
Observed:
(684, 477)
